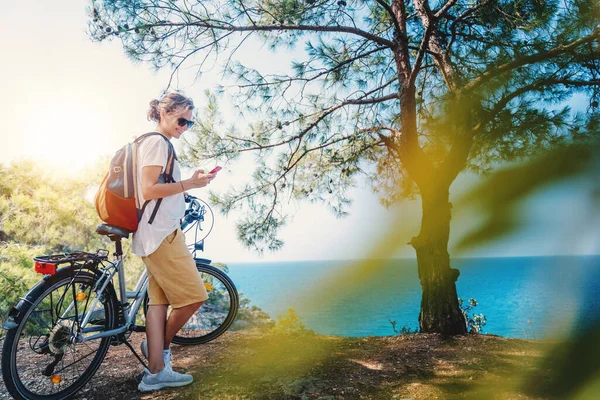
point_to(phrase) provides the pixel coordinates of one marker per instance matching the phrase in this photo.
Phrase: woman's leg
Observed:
(155, 332)
(174, 271)
(178, 318)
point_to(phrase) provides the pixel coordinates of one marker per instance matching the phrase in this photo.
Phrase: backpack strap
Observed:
(167, 176)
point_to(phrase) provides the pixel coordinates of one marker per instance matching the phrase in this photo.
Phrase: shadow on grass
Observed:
(305, 366)
(483, 367)
(570, 370)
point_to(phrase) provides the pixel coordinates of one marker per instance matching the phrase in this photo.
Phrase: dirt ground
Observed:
(307, 366)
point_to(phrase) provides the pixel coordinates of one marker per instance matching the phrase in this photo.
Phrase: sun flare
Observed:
(65, 137)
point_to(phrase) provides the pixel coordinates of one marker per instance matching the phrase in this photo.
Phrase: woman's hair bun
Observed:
(153, 113)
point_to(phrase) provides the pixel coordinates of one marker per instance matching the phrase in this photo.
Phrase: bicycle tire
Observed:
(18, 348)
(223, 304)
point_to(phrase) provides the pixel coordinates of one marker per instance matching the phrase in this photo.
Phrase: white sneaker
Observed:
(166, 353)
(166, 377)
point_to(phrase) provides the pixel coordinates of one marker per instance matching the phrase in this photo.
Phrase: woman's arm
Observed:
(151, 189)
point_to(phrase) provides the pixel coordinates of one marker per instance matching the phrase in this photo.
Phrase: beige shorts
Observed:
(172, 275)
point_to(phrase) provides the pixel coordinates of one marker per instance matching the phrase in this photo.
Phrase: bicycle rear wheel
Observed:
(216, 314)
(40, 357)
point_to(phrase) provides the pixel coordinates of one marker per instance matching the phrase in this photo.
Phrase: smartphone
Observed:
(215, 170)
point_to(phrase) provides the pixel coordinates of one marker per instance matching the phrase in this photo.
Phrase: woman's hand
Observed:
(151, 189)
(199, 179)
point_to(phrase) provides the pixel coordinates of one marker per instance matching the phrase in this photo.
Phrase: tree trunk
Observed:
(440, 311)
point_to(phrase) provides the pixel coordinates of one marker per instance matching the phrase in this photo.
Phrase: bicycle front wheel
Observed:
(44, 356)
(216, 314)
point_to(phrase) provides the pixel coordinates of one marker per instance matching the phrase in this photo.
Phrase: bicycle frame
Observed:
(129, 310)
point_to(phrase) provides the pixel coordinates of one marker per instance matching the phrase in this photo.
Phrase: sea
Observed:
(521, 297)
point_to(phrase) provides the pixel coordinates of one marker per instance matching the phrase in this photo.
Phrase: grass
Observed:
(306, 366)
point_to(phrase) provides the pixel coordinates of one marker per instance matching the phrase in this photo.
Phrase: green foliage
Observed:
(475, 322)
(39, 208)
(250, 317)
(222, 266)
(288, 323)
(16, 273)
(250, 233)
(405, 330)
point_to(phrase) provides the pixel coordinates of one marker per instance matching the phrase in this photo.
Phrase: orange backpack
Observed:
(116, 200)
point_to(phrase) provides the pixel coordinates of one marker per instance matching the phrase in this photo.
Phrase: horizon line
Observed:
(400, 258)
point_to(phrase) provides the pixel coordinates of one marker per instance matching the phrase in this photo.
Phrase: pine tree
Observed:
(409, 93)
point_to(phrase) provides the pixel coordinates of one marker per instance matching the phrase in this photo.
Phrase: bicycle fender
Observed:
(18, 310)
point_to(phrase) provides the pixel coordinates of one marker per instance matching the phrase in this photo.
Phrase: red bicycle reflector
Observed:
(45, 268)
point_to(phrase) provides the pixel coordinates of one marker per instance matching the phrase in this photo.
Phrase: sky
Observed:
(67, 101)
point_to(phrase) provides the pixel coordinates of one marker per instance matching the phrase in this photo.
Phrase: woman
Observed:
(173, 278)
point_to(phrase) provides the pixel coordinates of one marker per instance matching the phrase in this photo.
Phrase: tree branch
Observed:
(326, 112)
(372, 101)
(341, 64)
(269, 28)
(527, 60)
(292, 164)
(445, 8)
(440, 57)
(389, 10)
(389, 142)
(194, 51)
(401, 55)
(462, 17)
(525, 89)
(569, 82)
(421, 54)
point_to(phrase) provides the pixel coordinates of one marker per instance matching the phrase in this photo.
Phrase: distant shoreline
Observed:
(404, 259)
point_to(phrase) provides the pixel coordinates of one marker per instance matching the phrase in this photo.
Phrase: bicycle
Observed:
(59, 332)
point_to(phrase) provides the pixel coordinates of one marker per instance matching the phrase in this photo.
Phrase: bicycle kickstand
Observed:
(126, 342)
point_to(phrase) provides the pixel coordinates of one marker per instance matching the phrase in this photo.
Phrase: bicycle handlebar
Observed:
(188, 197)
(194, 211)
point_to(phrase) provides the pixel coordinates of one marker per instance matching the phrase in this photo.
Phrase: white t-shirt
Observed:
(154, 151)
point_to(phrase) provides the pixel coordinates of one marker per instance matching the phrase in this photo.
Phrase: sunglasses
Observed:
(183, 122)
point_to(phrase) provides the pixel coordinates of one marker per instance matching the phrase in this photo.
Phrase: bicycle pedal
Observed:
(138, 328)
(117, 340)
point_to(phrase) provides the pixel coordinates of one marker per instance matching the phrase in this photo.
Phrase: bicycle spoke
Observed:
(87, 345)
(51, 316)
(46, 325)
(84, 357)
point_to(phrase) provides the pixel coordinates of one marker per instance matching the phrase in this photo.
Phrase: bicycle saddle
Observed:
(112, 231)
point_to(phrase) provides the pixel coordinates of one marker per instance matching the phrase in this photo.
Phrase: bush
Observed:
(475, 322)
(404, 330)
(249, 317)
(40, 209)
(288, 323)
(16, 273)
